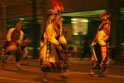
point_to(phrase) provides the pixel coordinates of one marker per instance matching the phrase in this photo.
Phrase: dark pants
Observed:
(98, 53)
(17, 53)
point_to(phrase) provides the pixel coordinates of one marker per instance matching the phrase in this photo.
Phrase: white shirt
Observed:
(20, 40)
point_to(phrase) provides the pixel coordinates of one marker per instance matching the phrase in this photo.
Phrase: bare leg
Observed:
(104, 53)
(45, 79)
(18, 66)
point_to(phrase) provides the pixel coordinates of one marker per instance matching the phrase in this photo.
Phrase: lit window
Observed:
(79, 26)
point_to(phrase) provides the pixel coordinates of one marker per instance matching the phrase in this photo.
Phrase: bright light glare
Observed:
(84, 20)
(75, 33)
(74, 19)
(21, 18)
(73, 22)
(62, 19)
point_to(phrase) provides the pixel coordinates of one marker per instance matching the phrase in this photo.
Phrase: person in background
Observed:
(14, 40)
(86, 51)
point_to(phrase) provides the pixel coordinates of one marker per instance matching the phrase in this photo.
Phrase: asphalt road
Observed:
(79, 73)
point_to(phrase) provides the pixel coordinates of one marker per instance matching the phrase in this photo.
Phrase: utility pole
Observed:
(2, 21)
(35, 29)
(115, 36)
(44, 16)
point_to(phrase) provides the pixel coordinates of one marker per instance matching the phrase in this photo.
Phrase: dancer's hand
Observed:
(93, 43)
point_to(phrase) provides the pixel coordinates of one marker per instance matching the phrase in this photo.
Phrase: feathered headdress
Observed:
(104, 14)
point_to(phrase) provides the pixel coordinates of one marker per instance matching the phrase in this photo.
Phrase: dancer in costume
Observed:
(61, 50)
(100, 44)
(53, 43)
(63, 58)
(15, 44)
(48, 53)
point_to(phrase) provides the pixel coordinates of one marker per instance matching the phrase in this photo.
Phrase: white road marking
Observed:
(18, 79)
(84, 73)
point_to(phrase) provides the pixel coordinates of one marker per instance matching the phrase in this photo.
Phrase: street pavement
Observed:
(78, 73)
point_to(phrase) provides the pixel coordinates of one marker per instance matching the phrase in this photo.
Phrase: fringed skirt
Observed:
(52, 59)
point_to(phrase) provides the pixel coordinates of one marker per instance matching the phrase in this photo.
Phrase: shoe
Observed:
(45, 80)
(19, 68)
(103, 67)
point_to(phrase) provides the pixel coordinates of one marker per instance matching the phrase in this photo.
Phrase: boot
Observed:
(18, 66)
(96, 67)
